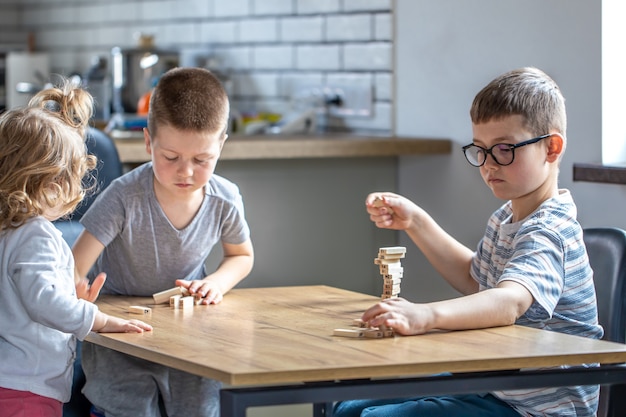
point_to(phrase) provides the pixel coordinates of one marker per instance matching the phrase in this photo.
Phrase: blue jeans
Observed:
(471, 405)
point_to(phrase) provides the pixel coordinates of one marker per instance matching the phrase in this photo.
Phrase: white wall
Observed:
(446, 51)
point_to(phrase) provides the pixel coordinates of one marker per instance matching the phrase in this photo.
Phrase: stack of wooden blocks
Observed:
(391, 269)
(178, 297)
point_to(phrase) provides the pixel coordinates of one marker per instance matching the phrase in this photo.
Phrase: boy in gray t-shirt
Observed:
(153, 229)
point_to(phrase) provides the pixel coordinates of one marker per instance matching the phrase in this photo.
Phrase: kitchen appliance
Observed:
(97, 79)
(135, 72)
(3, 81)
(26, 74)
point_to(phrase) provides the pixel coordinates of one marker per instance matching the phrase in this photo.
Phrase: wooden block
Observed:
(395, 288)
(391, 281)
(357, 333)
(387, 331)
(378, 202)
(359, 323)
(379, 261)
(175, 300)
(373, 333)
(386, 296)
(390, 250)
(197, 299)
(395, 277)
(139, 310)
(164, 296)
(186, 302)
(390, 269)
(392, 256)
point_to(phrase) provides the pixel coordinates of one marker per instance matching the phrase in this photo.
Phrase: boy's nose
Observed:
(491, 161)
(185, 169)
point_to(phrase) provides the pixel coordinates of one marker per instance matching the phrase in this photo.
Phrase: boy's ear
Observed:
(555, 147)
(148, 142)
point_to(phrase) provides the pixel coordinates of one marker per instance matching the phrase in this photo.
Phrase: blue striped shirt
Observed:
(546, 254)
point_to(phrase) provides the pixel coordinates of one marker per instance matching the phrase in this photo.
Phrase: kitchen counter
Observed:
(132, 150)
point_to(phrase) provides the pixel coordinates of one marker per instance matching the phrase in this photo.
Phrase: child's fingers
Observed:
(138, 326)
(97, 285)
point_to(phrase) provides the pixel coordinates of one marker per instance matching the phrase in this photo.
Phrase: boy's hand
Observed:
(208, 290)
(90, 292)
(402, 316)
(389, 211)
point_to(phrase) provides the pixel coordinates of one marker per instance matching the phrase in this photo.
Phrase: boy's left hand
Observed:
(90, 292)
(210, 292)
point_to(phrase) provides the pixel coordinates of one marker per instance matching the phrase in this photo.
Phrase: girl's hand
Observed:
(117, 325)
(90, 292)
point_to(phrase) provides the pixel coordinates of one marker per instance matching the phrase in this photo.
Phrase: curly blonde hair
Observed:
(43, 155)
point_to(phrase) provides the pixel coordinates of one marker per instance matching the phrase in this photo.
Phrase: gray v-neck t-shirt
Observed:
(144, 253)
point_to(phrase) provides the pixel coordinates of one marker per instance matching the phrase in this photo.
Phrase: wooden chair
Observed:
(606, 248)
(109, 167)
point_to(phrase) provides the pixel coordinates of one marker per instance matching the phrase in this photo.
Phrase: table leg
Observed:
(323, 410)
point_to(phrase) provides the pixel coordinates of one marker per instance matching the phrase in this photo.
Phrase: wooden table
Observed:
(275, 346)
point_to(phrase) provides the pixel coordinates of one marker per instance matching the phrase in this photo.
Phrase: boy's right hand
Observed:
(116, 325)
(389, 210)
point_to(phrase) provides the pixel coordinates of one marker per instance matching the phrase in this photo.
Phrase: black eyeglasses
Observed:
(502, 153)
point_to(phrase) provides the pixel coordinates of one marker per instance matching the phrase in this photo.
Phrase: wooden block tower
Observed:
(391, 269)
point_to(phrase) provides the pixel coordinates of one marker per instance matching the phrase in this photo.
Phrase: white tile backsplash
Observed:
(256, 85)
(292, 83)
(180, 34)
(318, 57)
(383, 27)
(352, 27)
(219, 32)
(97, 14)
(259, 30)
(302, 29)
(235, 58)
(273, 57)
(368, 56)
(272, 7)
(269, 47)
(196, 9)
(317, 6)
(224, 8)
(9, 18)
(383, 86)
(125, 12)
(361, 5)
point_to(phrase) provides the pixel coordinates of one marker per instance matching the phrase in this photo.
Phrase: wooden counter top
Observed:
(131, 147)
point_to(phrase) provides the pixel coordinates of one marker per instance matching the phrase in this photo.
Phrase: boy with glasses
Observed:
(530, 268)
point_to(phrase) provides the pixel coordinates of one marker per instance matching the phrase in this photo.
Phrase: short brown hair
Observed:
(43, 155)
(189, 99)
(528, 92)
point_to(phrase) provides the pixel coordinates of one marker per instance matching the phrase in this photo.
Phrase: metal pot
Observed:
(135, 72)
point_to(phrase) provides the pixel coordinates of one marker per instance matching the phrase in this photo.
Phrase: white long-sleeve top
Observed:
(40, 315)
